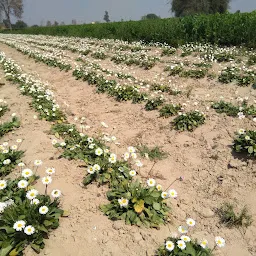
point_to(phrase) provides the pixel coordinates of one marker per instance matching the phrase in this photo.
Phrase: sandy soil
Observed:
(201, 157)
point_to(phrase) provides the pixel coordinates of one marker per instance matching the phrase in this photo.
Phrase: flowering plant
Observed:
(9, 126)
(136, 204)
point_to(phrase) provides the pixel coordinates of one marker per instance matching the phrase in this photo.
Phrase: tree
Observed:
(20, 24)
(74, 22)
(188, 7)
(11, 8)
(48, 23)
(62, 23)
(150, 16)
(106, 17)
(56, 23)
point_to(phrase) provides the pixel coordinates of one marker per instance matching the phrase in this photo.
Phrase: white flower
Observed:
(26, 173)
(204, 243)
(2, 207)
(220, 242)
(22, 184)
(91, 146)
(185, 238)
(112, 158)
(31, 194)
(47, 180)
(5, 144)
(38, 162)
(90, 140)
(14, 147)
(35, 201)
(19, 140)
(6, 161)
(123, 202)
(151, 182)
(54, 142)
(139, 163)
(173, 193)
(5, 151)
(254, 119)
(241, 131)
(29, 230)
(90, 170)
(63, 144)
(126, 156)
(50, 171)
(56, 193)
(134, 155)
(113, 138)
(43, 209)
(183, 229)
(98, 151)
(96, 167)
(19, 225)
(159, 187)
(131, 149)
(190, 222)
(169, 245)
(247, 137)
(3, 184)
(181, 244)
(132, 173)
(104, 124)
(13, 114)
(164, 195)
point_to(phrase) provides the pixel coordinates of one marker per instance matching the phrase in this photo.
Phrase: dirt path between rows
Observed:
(201, 157)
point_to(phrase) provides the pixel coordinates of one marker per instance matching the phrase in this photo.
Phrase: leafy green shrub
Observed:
(230, 219)
(21, 222)
(245, 142)
(191, 248)
(194, 73)
(8, 160)
(3, 109)
(174, 70)
(9, 126)
(99, 55)
(169, 110)
(188, 121)
(168, 51)
(228, 75)
(136, 205)
(153, 104)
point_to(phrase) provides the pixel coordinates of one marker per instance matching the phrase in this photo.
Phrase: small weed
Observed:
(152, 153)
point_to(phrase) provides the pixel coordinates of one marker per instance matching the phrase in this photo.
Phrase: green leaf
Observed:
(4, 251)
(36, 248)
(250, 150)
(156, 206)
(48, 223)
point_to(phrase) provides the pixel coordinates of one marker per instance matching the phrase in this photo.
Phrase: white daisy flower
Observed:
(241, 131)
(126, 156)
(90, 140)
(56, 193)
(43, 209)
(134, 155)
(98, 151)
(123, 202)
(181, 244)
(50, 171)
(204, 243)
(38, 162)
(63, 144)
(104, 124)
(6, 161)
(3, 184)
(151, 182)
(173, 193)
(169, 245)
(190, 222)
(159, 187)
(164, 195)
(35, 201)
(220, 242)
(5, 144)
(26, 173)
(54, 142)
(19, 140)
(183, 229)
(47, 180)
(22, 184)
(90, 170)
(139, 163)
(185, 238)
(29, 230)
(247, 137)
(132, 173)
(131, 149)
(14, 147)
(31, 194)
(112, 158)
(19, 225)
(96, 167)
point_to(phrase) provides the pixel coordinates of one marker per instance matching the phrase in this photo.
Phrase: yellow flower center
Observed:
(169, 245)
(1, 184)
(32, 194)
(29, 229)
(180, 244)
(27, 173)
(19, 225)
(123, 201)
(219, 242)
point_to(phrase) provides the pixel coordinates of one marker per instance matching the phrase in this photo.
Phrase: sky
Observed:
(86, 11)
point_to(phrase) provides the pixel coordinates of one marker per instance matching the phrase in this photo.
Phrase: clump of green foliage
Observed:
(153, 154)
(169, 110)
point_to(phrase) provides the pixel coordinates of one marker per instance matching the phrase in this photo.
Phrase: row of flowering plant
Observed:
(26, 216)
(9, 157)
(3, 108)
(245, 142)
(184, 245)
(9, 126)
